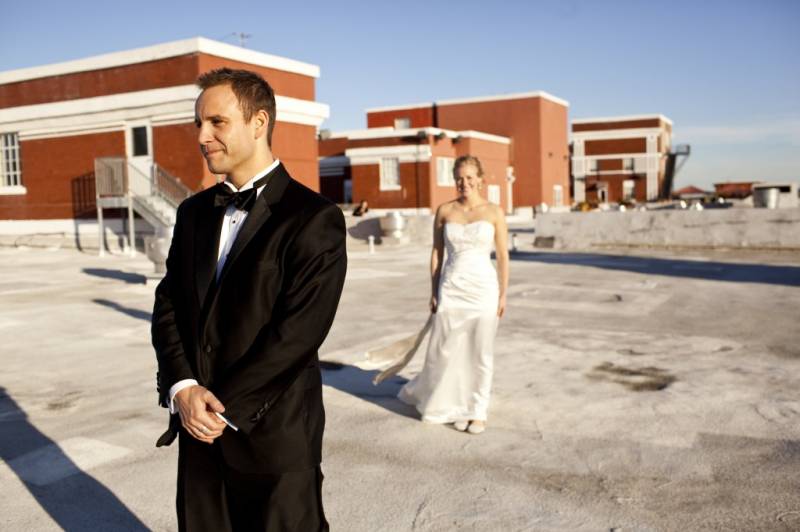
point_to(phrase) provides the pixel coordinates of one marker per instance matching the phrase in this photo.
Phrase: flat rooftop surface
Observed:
(632, 391)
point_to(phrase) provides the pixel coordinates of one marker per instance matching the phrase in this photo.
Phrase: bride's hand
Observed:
(433, 304)
(501, 306)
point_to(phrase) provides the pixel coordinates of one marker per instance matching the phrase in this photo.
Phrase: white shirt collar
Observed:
(255, 178)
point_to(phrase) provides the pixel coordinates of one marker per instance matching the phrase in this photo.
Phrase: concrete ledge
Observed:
(419, 229)
(777, 229)
(82, 235)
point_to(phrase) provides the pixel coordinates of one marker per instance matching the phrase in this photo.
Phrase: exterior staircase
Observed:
(154, 195)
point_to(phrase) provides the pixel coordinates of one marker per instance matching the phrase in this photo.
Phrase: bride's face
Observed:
(468, 183)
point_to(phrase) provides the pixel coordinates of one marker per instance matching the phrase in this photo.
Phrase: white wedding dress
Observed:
(456, 380)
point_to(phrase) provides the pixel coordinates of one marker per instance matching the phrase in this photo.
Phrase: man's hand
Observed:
(196, 406)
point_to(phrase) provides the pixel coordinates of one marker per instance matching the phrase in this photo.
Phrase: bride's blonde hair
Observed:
(465, 160)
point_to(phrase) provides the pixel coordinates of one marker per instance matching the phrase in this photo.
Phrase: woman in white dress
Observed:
(468, 298)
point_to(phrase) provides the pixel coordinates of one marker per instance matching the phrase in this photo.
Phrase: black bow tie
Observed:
(242, 200)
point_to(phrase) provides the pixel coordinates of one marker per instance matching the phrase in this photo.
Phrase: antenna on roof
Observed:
(240, 35)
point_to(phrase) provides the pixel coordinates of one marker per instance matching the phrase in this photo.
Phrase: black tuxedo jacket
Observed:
(252, 337)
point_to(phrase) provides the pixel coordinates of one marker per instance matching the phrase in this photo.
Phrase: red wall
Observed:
(296, 146)
(620, 124)
(419, 117)
(283, 83)
(538, 129)
(413, 177)
(169, 72)
(58, 174)
(422, 176)
(614, 146)
(176, 149)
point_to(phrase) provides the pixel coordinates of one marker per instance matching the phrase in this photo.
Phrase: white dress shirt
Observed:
(231, 223)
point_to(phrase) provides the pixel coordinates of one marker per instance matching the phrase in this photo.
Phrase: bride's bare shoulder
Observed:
(496, 214)
(443, 210)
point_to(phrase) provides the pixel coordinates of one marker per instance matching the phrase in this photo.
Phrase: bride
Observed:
(468, 297)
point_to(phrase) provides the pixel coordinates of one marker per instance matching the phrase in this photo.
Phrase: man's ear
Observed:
(262, 123)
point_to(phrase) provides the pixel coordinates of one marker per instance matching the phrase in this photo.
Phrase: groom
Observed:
(254, 274)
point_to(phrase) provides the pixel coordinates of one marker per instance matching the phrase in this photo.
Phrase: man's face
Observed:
(227, 142)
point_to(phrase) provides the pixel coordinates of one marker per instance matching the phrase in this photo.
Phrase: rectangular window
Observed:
(627, 189)
(10, 169)
(602, 192)
(493, 193)
(402, 123)
(390, 173)
(558, 195)
(140, 144)
(627, 164)
(444, 171)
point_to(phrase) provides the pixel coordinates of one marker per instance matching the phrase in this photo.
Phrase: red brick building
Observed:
(408, 168)
(534, 125)
(56, 119)
(619, 158)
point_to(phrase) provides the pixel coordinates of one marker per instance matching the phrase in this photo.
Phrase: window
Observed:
(627, 189)
(139, 135)
(390, 173)
(10, 170)
(627, 164)
(558, 195)
(402, 123)
(348, 190)
(493, 194)
(602, 191)
(444, 171)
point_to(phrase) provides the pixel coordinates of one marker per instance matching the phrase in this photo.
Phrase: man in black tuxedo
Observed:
(254, 275)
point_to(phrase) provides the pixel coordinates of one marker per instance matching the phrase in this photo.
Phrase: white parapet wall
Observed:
(68, 233)
(419, 228)
(717, 228)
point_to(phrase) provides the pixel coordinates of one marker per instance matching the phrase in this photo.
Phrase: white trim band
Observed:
(612, 134)
(67, 226)
(390, 132)
(625, 118)
(13, 190)
(166, 106)
(361, 156)
(162, 51)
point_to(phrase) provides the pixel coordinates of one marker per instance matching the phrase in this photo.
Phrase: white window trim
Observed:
(445, 179)
(493, 194)
(12, 149)
(558, 196)
(381, 184)
(628, 189)
(13, 190)
(129, 127)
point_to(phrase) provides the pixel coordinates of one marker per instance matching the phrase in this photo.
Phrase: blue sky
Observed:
(726, 72)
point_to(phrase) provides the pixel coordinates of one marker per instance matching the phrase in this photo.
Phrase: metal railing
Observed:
(121, 183)
(110, 176)
(168, 186)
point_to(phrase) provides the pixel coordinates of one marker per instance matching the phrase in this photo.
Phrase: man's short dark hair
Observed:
(252, 91)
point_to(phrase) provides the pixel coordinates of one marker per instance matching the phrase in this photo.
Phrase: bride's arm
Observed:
(437, 255)
(501, 252)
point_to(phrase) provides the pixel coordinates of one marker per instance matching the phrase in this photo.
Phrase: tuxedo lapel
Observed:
(258, 215)
(206, 246)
